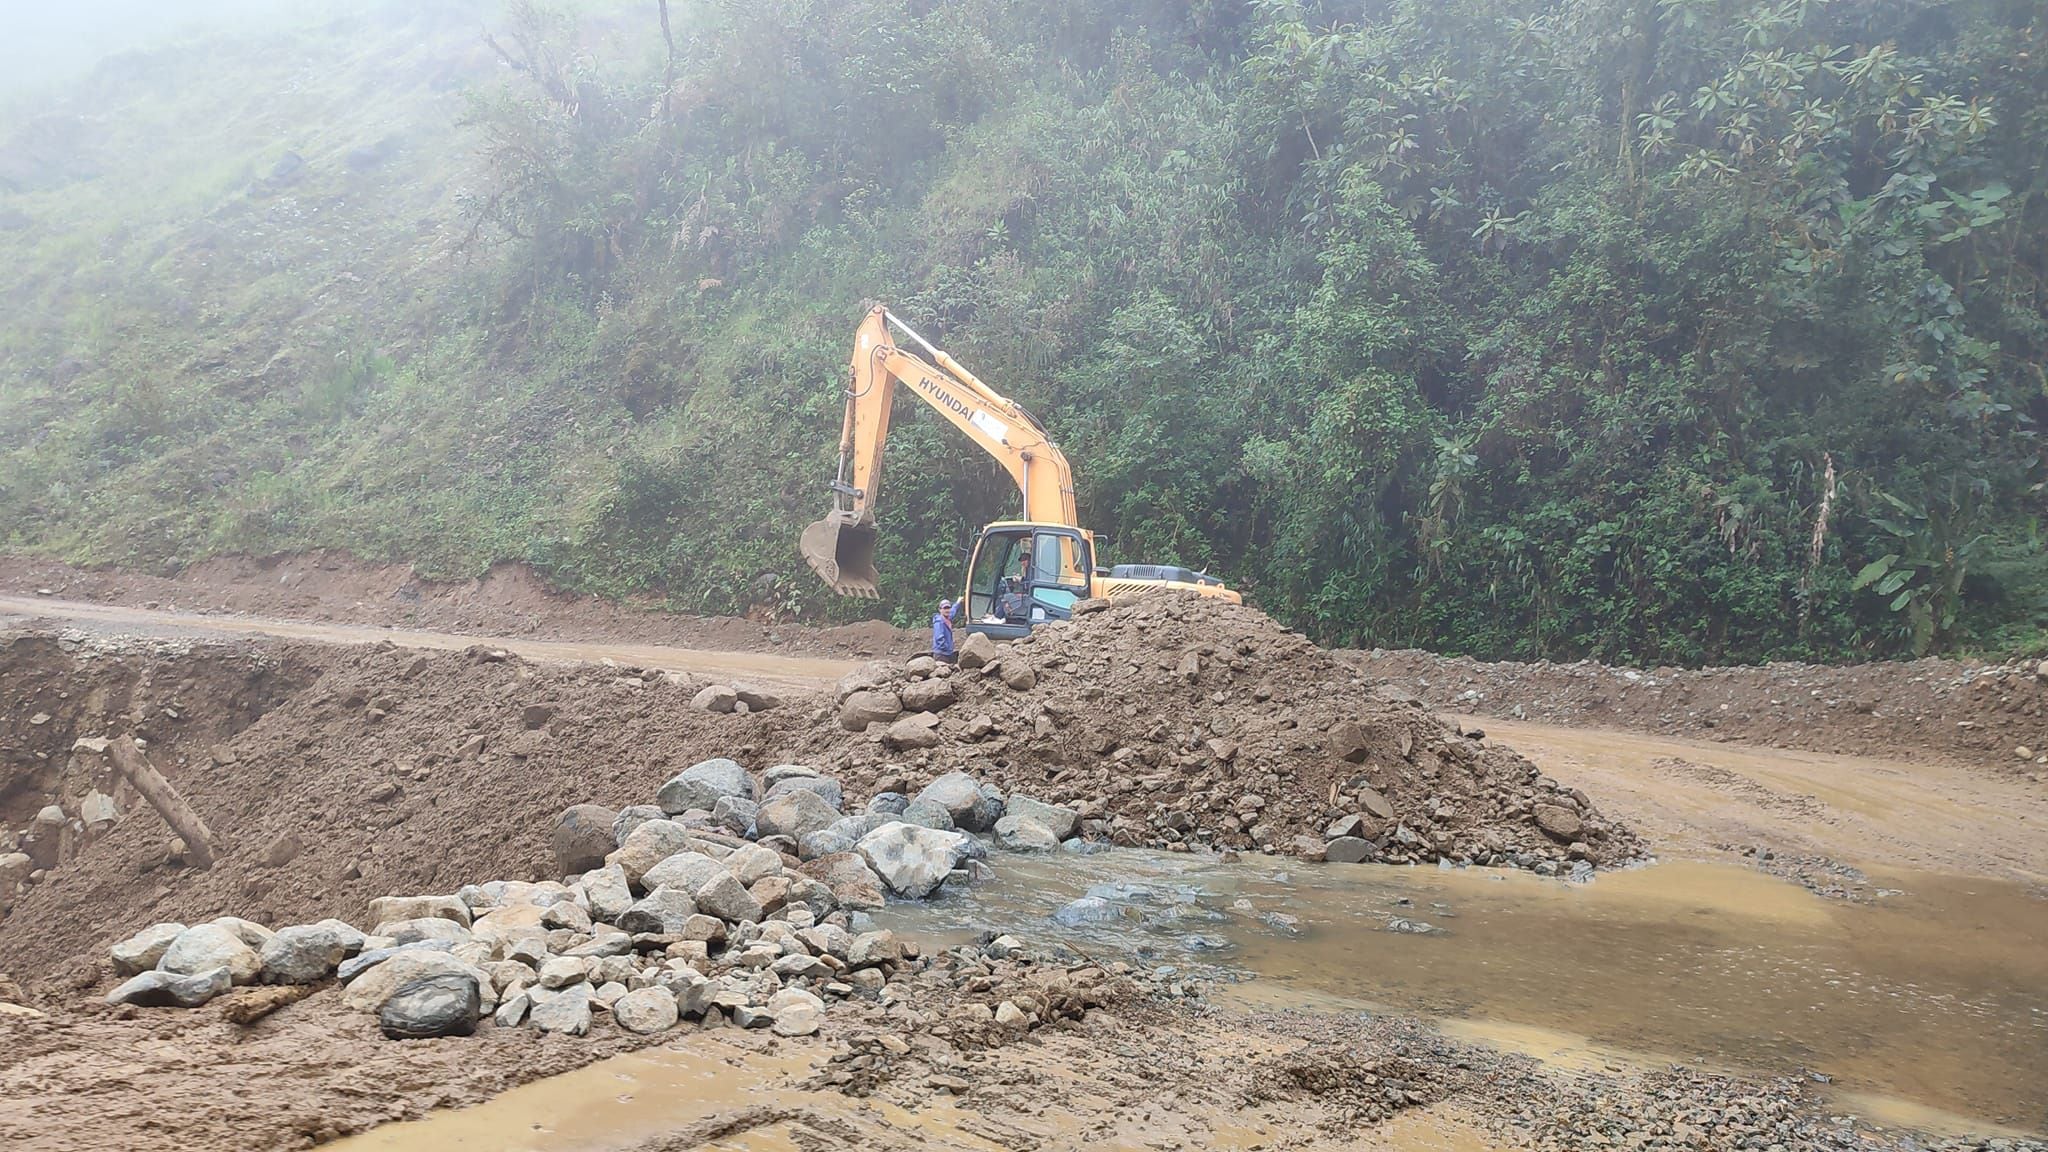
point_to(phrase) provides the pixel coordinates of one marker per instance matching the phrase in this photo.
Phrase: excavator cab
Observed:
(1024, 574)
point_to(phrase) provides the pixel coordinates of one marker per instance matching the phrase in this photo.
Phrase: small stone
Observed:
(715, 698)
(918, 730)
(630, 817)
(1349, 850)
(443, 1004)
(796, 1012)
(566, 1011)
(977, 651)
(726, 898)
(608, 892)
(512, 1010)
(869, 706)
(755, 697)
(1010, 1016)
(561, 971)
(1558, 822)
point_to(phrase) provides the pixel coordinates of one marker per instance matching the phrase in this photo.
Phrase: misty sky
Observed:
(49, 40)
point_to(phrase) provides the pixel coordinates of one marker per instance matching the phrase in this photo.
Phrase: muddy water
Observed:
(1931, 1005)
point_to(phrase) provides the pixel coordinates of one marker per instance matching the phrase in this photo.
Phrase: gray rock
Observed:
(582, 838)
(1063, 822)
(726, 898)
(664, 910)
(569, 914)
(369, 990)
(917, 730)
(1375, 805)
(165, 990)
(751, 862)
(1413, 927)
(827, 788)
(976, 651)
(140, 952)
(443, 1004)
(566, 1011)
(715, 698)
(562, 971)
(650, 844)
(701, 784)
(929, 696)
(608, 892)
(735, 814)
(1023, 834)
(204, 947)
(1084, 911)
(424, 928)
(796, 1012)
(871, 948)
(853, 884)
(972, 807)
(927, 814)
(913, 861)
(512, 1010)
(755, 697)
(630, 817)
(684, 872)
(780, 772)
(841, 836)
(385, 909)
(869, 706)
(888, 803)
(1349, 850)
(1558, 822)
(357, 965)
(307, 953)
(646, 1011)
(795, 814)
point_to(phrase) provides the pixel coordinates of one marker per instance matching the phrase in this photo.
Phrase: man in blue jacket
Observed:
(942, 632)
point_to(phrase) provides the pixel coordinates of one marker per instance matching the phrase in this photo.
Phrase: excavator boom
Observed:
(841, 547)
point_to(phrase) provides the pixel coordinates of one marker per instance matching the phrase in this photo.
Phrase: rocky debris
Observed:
(443, 1004)
(702, 784)
(142, 951)
(582, 838)
(1174, 722)
(168, 990)
(369, 990)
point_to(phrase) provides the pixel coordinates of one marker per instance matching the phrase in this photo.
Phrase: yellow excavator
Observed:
(1021, 572)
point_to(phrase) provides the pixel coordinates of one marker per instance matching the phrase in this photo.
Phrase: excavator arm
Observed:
(841, 547)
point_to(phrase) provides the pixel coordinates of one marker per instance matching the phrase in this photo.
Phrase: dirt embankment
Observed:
(511, 600)
(1980, 714)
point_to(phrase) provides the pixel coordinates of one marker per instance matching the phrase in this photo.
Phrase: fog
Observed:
(46, 41)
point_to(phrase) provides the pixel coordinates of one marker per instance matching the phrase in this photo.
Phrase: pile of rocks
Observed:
(708, 905)
(1180, 723)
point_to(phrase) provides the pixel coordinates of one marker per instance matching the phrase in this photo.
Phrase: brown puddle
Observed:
(1935, 1000)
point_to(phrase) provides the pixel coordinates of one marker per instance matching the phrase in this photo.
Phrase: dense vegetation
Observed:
(1665, 330)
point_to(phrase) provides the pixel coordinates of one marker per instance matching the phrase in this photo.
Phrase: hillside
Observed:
(1671, 332)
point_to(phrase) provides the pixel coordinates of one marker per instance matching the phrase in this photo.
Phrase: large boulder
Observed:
(755, 697)
(715, 698)
(165, 990)
(308, 953)
(440, 1004)
(646, 1011)
(977, 650)
(929, 695)
(582, 838)
(869, 706)
(650, 844)
(751, 862)
(1061, 821)
(684, 872)
(795, 814)
(140, 952)
(701, 784)
(204, 947)
(854, 885)
(498, 927)
(873, 674)
(735, 814)
(826, 787)
(424, 928)
(369, 991)
(1024, 834)
(777, 773)
(972, 807)
(927, 814)
(913, 861)
(566, 1011)
(840, 836)
(664, 910)
(796, 1012)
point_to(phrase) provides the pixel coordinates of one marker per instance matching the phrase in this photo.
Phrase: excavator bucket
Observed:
(841, 550)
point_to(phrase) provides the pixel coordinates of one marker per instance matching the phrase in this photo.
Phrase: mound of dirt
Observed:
(1170, 721)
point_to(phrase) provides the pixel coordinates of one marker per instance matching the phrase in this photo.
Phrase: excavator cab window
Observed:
(1020, 577)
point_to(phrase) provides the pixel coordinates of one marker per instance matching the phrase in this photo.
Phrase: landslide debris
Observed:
(1176, 722)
